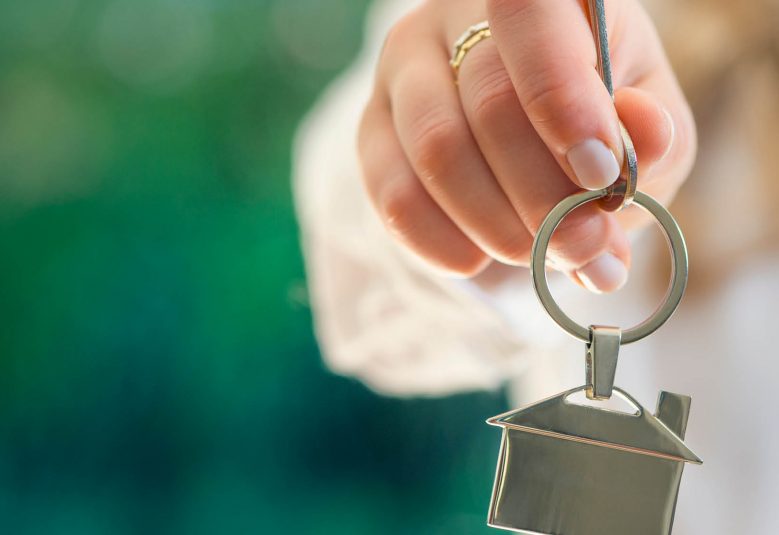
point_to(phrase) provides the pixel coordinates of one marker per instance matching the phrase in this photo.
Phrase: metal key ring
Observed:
(678, 272)
(623, 191)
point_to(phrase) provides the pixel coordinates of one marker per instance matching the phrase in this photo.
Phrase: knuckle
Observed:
(397, 207)
(549, 97)
(507, 7)
(583, 228)
(512, 248)
(437, 137)
(580, 237)
(399, 33)
(492, 95)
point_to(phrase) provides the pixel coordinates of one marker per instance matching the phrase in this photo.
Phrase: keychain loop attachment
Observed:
(679, 268)
(601, 361)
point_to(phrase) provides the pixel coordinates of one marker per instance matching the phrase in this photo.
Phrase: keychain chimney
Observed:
(674, 410)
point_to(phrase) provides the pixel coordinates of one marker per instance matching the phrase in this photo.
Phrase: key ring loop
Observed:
(623, 191)
(675, 241)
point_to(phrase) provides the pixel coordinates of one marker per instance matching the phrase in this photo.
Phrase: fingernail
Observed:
(594, 165)
(605, 274)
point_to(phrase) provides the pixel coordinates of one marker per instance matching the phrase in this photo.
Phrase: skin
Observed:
(464, 174)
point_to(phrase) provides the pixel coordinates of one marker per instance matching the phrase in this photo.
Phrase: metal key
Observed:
(622, 192)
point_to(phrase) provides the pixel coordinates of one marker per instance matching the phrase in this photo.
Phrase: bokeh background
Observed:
(158, 372)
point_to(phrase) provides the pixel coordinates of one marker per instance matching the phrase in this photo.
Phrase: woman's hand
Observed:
(464, 174)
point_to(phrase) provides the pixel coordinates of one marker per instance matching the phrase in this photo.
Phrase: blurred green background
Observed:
(158, 373)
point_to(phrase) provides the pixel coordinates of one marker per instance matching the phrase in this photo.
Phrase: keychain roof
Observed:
(639, 432)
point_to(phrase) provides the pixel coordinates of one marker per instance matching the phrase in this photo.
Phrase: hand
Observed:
(464, 174)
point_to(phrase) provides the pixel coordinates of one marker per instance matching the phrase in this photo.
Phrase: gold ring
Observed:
(472, 36)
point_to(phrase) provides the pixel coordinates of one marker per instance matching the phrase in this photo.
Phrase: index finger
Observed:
(549, 52)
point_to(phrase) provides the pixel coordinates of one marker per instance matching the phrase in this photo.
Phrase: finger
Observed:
(649, 123)
(548, 49)
(608, 272)
(435, 136)
(532, 179)
(663, 131)
(404, 206)
(656, 114)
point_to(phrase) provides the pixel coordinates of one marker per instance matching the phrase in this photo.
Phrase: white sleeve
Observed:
(379, 314)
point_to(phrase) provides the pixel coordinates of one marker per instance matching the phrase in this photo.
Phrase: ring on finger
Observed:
(469, 39)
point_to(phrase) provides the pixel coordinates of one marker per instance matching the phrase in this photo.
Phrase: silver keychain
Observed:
(571, 469)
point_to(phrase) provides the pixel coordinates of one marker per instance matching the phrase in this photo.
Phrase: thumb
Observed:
(649, 123)
(549, 52)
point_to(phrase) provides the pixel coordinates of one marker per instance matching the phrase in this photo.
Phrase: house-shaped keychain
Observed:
(571, 469)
